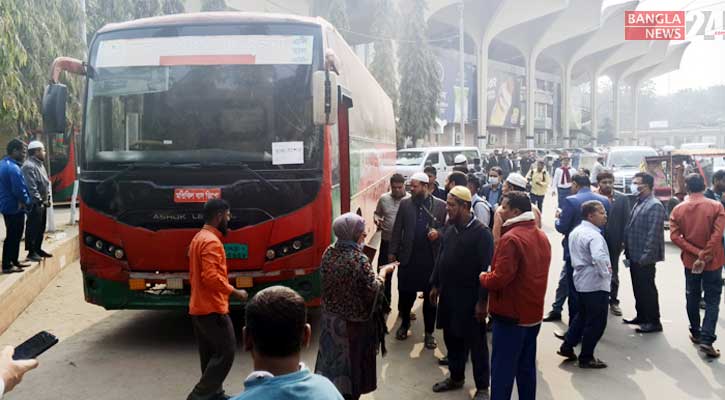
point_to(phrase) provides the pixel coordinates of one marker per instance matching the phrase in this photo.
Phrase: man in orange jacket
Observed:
(516, 289)
(209, 303)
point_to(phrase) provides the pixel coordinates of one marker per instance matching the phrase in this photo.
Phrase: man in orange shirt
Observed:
(209, 303)
(696, 227)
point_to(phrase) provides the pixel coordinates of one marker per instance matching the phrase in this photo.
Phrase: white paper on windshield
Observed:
(287, 153)
(205, 50)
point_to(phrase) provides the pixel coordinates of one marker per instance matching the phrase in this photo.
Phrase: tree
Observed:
(384, 60)
(213, 5)
(337, 16)
(172, 7)
(420, 85)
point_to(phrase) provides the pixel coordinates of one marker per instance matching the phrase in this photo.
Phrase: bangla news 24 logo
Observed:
(674, 25)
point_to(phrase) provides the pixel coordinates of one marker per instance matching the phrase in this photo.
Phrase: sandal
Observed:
(592, 364)
(710, 351)
(402, 333)
(446, 385)
(430, 342)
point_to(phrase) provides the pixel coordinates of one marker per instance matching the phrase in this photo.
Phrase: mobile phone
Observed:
(35, 346)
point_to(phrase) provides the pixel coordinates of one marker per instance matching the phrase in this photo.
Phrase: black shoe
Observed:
(402, 333)
(443, 361)
(615, 310)
(592, 364)
(567, 352)
(45, 254)
(650, 328)
(12, 270)
(430, 341)
(710, 351)
(446, 385)
(34, 257)
(633, 321)
(481, 394)
(20, 265)
(560, 335)
(552, 316)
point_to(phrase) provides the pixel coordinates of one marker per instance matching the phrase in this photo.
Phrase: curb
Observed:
(18, 291)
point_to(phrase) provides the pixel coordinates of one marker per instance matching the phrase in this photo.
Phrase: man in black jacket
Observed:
(466, 252)
(715, 192)
(617, 219)
(414, 243)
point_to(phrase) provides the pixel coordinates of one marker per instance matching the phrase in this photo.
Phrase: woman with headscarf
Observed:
(352, 304)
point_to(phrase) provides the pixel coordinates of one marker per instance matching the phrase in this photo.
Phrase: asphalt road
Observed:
(152, 354)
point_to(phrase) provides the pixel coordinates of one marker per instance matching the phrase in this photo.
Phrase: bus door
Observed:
(343, 131)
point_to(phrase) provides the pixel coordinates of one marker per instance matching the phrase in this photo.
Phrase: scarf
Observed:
(565, 177)
(527, 216)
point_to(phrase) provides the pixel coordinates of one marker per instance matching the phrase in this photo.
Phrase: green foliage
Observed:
(420, 85)
(213, 5)
(384, 60)
(337, 16)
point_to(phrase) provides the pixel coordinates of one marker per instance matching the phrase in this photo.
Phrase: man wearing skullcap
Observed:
(36, 178)
(415, 243)
(466, 252)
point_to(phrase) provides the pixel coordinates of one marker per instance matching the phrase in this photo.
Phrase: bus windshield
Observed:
(198, 98)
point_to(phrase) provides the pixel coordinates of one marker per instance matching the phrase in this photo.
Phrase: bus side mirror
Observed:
(54, 100)
(324, 98)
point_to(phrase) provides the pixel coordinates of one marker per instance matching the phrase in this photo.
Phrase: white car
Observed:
(414, 160)
(624, 162)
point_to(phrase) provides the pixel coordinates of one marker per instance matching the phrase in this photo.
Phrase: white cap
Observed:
(517, 180)
(420, 177)
(35, 144)
(460, 159)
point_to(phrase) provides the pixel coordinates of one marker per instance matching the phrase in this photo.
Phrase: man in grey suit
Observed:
(617, 220)
(644, 247)
(414, 243)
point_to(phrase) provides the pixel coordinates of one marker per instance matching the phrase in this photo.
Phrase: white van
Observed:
(416, 159)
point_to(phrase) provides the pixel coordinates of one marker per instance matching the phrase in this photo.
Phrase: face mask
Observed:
(634, 188)
(492, 180)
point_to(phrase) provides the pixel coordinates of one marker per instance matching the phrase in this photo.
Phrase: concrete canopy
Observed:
(531, 38)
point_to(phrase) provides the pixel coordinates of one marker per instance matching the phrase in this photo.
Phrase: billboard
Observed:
(450, 101)
(503, 94)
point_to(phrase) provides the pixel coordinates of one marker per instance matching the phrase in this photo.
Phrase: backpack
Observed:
(491, 211)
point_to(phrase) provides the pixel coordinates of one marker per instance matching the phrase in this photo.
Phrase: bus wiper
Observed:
(246, 168)
(133, 166)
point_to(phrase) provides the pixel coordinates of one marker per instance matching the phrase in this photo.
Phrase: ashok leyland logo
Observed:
(673, 25)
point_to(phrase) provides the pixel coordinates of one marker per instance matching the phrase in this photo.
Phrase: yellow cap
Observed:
(461, 192)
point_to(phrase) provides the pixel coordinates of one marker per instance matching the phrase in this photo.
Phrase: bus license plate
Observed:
(245, 282)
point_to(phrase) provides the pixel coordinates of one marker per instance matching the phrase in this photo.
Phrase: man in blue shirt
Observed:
(275, 333)
(14, 200)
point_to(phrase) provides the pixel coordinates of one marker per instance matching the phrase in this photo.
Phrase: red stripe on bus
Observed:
(242, 59)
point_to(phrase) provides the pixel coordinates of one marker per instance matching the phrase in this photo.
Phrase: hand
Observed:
(558, 213)
(433, 235)
(481, 312)
(240, 294)
(387, 270)
(392, 258)
(12, 371)
(434, 295)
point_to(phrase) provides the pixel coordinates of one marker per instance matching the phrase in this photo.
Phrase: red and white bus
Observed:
(273, 113)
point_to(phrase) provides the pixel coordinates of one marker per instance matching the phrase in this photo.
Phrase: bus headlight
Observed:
(104, 247)
(290, 247)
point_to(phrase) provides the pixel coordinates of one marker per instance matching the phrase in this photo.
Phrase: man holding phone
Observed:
(12, 371)
(209, 302)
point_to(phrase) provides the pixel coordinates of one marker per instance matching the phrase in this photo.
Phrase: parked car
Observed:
(414, 160)
(624, 162)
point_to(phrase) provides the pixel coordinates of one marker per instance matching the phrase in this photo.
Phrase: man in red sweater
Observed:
(516, 285)
(209, 303)
(696, 227)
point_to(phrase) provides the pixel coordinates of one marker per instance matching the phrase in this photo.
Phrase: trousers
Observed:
(405, 305)
(513, 358)
(709, 282)
(645, 293)
(217, 344)
(475, 344)
(589, 324)
(14, 224)
(35, 229)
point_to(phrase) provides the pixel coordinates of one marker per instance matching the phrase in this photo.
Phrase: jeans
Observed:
(382, 260)
(14, 224)
(217, 344)
(538, 200)
(513, 357)
(562, 194)
(589, 324)
(614, 292)
(405, 305)
(458, 349)
(645, 293)
(711, 283)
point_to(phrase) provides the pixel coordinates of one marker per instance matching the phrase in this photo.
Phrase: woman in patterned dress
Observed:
(351, 291)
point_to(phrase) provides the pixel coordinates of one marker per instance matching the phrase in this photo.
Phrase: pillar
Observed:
(594, 111)
(565, 106)
(482, 139)
(530, 98)
(635, 112)
(615, 110)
